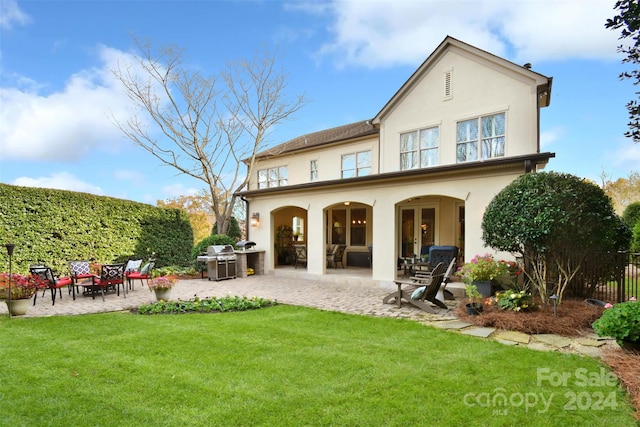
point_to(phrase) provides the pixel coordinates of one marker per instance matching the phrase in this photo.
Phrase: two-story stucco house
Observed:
(419, 173)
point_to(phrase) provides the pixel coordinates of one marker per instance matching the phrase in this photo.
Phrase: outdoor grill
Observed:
(221, 262)
(245, 245)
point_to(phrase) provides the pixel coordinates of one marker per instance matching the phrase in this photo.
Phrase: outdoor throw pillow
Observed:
(133, 265)
(145, 268)
(417, 294)
(80, 268)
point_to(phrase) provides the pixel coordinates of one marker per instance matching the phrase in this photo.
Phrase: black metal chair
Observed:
(111, 277)
(53, 283)
(300, 255)
(336, 255)
(143, 274)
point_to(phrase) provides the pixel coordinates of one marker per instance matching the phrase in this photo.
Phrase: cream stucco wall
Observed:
(329, 161)
(475, 191)
(479, 88)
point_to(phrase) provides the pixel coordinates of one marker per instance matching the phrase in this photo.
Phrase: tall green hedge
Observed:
(54, 226)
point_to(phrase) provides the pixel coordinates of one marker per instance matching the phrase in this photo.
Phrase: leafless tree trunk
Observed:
(207, 127)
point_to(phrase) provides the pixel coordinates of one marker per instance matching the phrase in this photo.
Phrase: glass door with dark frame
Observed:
(417, 230)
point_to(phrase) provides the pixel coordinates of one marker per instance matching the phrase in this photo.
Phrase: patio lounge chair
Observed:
(421, 290)
(443, 293)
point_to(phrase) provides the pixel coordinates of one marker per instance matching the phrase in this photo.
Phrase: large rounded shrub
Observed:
(631, 214)
(631, 217)
(552, 219)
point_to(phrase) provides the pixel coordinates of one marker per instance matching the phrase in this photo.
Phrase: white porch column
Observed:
(315, 241)
(384, 241)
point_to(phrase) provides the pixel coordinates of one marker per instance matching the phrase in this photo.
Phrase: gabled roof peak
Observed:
(543, 82)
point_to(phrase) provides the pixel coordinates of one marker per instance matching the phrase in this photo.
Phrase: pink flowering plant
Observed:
(22, 287)
(482, 268)
(620, 321)
(162, 282)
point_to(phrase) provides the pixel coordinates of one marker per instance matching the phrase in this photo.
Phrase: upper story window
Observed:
(313, 170)
(357, 164)
(272, 177)
(419, 148)
(483, 134)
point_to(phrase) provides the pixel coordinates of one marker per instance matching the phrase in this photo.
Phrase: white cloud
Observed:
(65, 125)
(549, 136)
(11, 14)
(388, 33)
(627, 156)
(60, 181)
(176, 190)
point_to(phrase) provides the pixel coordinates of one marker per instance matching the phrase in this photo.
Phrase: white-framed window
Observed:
(419, 149)
(356, 164)
(297, 228)
(485, 135)
(273, 177)
(313, 170)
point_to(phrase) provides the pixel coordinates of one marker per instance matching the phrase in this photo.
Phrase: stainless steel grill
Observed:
(221, 262)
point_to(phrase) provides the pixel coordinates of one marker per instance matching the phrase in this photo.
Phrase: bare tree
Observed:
(210, 126)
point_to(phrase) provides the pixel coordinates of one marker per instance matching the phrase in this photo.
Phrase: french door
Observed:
(417, 229)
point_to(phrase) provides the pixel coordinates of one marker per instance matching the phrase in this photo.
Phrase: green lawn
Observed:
(288, 366)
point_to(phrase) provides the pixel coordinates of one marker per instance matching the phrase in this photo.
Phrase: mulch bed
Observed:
(626, 365)
(574, 319)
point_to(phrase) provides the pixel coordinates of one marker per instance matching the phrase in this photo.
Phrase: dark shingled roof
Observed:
(323, 137)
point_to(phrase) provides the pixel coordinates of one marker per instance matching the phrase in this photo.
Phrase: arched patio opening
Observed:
(290, 227)
(429, 220)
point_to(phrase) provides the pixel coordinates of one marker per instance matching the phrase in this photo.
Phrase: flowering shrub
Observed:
(620, 321)
(162, 282)
(514, 300)
(22, 287)
(482, 268)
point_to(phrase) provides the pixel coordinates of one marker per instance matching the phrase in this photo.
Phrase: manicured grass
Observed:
(287, 366)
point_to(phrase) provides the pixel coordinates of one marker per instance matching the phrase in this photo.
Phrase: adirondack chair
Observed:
(443, 293)
(421, 290)
(425, 289)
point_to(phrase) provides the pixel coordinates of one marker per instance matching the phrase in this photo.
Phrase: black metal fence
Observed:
(611, 277)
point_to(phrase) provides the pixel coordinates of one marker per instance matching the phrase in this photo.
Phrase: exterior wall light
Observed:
(255, 219)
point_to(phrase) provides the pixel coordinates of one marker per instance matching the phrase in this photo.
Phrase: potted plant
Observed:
(474, 306)
(622, 322)
(480, 271)
(16, 290)
(162, 285)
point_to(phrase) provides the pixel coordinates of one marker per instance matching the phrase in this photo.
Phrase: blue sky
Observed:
(348, 57)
